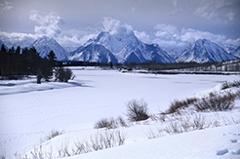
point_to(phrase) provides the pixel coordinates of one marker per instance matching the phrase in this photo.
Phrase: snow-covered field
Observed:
(208, 144)
(29, 112)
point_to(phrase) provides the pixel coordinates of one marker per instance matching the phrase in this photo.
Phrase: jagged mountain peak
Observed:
(45, 40)
(206, 43)
(45, 44)
(204, 50)
(93, 53)
(202, 42)
(127, 48)
(120, 43)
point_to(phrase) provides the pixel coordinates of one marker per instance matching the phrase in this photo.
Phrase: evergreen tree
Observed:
(11, 50)
(18, 50)
(3, 48)
(47, 66)
(18, 62)
(52, 57)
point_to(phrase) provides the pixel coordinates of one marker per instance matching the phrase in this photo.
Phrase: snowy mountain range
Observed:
(122, 46)
(205, 51)
(42, 44)
(14, 42)
(45, 44)
(93, 53)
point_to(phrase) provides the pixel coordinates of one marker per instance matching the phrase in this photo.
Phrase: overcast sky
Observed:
(152, 20)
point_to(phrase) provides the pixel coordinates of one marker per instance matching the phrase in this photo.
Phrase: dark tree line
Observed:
(15, 63)
(233, 66)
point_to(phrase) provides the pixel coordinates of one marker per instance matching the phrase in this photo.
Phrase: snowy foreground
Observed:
(29, 112)
(212, 143)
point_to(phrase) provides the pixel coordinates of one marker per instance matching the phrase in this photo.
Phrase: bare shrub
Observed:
(181, 125)
(155, 134)
(227, 85)
(111, 123)
(159, 117)
(180, 104)
(37, 153)
(63, 74)
(213, 102)
(53, 134)
(174, 128)
(106, 123)
(197, 122)
(137, 110)
(81, 147)
(107, 140)
(97, 142)
(216, 102)
(122, 122)
(64, 152)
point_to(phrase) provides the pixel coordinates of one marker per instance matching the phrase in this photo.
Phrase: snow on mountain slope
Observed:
(127, 48)
(45, 44)
(230, 48)
(205, 51)
(176, 51)
(14, 42)
(237, 52)
(157, 54)
(93, 53)
(121, 43)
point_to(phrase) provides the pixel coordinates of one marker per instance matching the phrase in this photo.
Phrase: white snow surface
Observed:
(208, 144)
(28, 115)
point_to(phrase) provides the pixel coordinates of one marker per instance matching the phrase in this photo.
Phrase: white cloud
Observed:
(17, 36)
(50, 25)
(166, 31)
(192, 35)
(143, 36)
(171, 36)
(113, 26)
(74, 37)
(5, 5)
(46, 24)
(17, 39)
(166, 36)
(110, 24)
